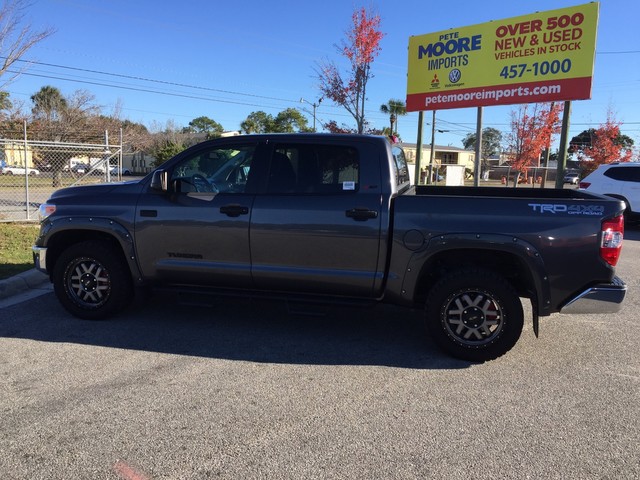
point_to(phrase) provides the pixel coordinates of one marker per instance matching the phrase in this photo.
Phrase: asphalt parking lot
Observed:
(235, 389)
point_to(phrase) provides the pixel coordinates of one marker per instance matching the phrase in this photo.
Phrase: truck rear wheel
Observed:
(474, 315)
(92, 280)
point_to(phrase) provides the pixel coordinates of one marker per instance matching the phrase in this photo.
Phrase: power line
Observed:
(140, 89)
(176, 94)
(151, 80)
(618, 53)
(95, 82)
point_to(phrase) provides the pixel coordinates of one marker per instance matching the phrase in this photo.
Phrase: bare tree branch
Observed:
(16, 36)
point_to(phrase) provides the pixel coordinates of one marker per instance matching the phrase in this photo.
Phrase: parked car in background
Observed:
(617, 180)
(80, 168)
(48, 167)
(16, 170)
(122, 171)
(571, 178)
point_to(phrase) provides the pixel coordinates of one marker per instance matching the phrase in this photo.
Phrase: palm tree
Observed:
(394, 108)
(48, 104)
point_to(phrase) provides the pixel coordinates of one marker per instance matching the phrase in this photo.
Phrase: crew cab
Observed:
(334, 218)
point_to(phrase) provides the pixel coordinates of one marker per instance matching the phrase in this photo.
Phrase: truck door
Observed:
(317, 227)
(198, 231)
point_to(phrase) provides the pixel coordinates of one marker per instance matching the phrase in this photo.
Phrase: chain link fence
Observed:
(32, 170)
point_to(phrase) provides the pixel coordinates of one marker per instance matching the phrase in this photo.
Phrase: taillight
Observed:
(584, 185)
(611, 240)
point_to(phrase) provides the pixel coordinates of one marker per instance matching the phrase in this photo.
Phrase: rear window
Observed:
(314, 169)
(400, 165)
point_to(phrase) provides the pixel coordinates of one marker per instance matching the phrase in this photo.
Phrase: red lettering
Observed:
(564, 21)
(519, 28)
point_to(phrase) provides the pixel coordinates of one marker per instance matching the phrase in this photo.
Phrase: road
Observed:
(236, 389)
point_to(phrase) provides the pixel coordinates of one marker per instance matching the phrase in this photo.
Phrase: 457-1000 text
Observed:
(537, 68)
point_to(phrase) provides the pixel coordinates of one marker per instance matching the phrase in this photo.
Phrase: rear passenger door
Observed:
(317, 227)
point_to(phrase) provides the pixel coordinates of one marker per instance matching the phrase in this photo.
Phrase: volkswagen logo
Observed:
(454, 75)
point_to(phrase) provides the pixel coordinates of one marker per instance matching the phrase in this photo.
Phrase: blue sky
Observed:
(163, 61)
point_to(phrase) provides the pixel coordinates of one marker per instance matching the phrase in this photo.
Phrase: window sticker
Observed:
(348, 185)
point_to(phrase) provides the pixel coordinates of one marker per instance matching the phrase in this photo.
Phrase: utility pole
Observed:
(314, 105)
(433, 148)
(478, 160)
(419, 148)
(562, 153)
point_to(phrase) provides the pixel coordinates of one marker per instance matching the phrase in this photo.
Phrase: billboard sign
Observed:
(542, 57)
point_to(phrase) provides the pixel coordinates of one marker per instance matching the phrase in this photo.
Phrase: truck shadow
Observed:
(241, 329)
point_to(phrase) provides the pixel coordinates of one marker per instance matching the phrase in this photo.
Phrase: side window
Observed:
(614, 173)
(625, 174)
(213, 170)
(634, 174)
(314, 169)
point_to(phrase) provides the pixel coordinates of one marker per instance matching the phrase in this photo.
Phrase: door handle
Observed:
(234, 210)
(361, 214)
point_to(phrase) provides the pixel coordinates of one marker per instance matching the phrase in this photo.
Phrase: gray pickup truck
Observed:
(334, 218)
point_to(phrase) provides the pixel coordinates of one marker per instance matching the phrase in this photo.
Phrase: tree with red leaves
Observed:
(605, 147)
(333, 127)
(532, 128)
(361, 47)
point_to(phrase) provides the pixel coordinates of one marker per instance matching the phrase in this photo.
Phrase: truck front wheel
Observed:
(92, 281)
(474, 315)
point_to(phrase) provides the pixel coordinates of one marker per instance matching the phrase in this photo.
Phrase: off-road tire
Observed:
(92, 281)
(474, 315)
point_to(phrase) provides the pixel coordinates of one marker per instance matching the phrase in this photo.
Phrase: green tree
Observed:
(5, 101)
(394, 108)
(166, 150)
(287, 121)
(49, 104)
(168, 141)
(257, 122)
(491, 144)
(205, 125)
(587, 138)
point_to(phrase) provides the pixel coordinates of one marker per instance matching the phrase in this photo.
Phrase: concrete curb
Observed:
(21, 282)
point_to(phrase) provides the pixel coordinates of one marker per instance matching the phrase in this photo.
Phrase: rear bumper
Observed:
(40, 258)
(601, 298)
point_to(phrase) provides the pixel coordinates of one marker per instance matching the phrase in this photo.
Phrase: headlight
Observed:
(45, 210)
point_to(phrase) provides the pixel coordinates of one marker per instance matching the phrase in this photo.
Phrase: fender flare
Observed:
(521, 249)
(105, 226)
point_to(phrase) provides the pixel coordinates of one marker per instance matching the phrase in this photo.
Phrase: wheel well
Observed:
(507, 265)
(63, 240)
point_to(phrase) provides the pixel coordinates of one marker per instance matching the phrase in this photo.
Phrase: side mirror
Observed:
(159, 181)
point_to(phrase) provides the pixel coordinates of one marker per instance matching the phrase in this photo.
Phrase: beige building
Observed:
(443, 156)
(12, 153)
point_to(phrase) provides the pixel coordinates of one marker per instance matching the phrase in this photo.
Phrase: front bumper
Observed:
(601, 298)
(40, 258)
